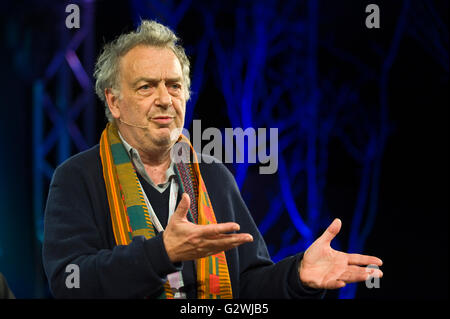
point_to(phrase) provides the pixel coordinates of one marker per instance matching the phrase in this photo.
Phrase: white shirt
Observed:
(139, 165)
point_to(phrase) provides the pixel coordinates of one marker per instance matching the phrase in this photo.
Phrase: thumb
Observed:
(331, 231)
(183, 206)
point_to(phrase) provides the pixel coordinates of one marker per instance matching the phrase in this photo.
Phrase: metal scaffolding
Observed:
(63, 117)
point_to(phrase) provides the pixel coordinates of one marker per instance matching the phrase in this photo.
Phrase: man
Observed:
(131, 222)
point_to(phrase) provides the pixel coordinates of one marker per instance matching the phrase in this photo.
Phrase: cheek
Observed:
(142, 106)
(181, 111)
(127, 104)
(181, 107)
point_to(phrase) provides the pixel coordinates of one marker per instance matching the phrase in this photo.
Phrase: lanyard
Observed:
(172, 203)
(176, 278)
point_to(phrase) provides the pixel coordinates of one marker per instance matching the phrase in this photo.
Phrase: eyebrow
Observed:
(155, 80)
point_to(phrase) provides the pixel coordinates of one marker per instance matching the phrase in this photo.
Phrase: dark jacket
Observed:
(78, 231)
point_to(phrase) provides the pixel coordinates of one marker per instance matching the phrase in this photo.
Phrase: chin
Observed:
(162, 141)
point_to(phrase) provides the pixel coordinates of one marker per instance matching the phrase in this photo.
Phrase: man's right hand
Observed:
(187, 241)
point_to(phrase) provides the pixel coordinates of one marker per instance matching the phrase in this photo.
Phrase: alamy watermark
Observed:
(73, 279)
(372, 281)
(237, 146)
(373, 19)
(73, 18)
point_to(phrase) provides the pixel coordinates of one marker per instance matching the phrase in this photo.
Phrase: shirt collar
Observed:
(136, 158)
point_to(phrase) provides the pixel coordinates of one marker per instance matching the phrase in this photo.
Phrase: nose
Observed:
(163, 98)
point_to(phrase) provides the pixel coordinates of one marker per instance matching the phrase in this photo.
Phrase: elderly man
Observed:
(124, 220)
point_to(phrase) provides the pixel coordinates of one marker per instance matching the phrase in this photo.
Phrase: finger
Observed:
(374, 273)
(335, 284)
(357, 274)
(208, 247)
(227, 241)
(213, 230)
(354, 274)
(183, 207)
(331, 231)
(357, 259)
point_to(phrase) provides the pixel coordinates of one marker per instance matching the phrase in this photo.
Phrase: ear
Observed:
(112, 98)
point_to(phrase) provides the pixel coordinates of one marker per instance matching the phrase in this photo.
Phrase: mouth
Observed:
(163, 119)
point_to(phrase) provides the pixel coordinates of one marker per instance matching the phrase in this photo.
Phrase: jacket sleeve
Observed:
(72, 237)
(259, 276)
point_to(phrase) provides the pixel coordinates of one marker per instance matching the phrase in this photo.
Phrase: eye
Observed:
(145, 87)
(175, 86)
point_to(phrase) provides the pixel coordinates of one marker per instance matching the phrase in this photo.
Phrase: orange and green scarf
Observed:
(130, 216)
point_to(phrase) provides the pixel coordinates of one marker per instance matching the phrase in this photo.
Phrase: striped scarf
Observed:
(130, 216)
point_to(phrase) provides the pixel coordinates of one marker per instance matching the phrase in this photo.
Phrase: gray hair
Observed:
(150, 33)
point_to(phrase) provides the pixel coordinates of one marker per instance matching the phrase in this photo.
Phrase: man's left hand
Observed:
(326, 268)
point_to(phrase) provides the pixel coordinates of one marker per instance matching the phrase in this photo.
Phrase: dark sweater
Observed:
(78, 231)
(160, 205)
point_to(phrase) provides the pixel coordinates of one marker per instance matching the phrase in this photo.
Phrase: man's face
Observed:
(152, 95)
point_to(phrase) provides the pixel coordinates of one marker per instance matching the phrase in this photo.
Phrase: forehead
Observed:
(148, 61)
